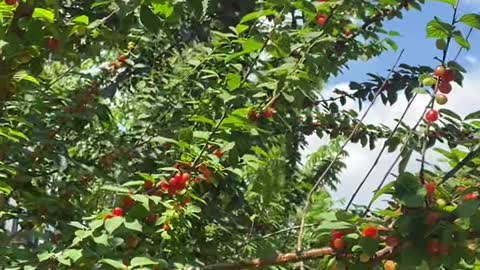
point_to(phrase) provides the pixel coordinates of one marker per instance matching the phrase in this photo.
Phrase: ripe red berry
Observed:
(218, 153)
(185, 177)
(321, 19)
(431, 116)
(252, 115)
(128, 202)
(131, 242)
(122, 58)
(336, 234)
(429, 188)
(268, 113)
(11, 2)
(431, 218)
(391, 241)
(445, 87)
(117, 212)
(443, 249)
(470, 197)
(147, 185)
(370, 232)
(448, 76)
(433, 247)
(389, 265)
(52, 44)
(163, 186)
(439, 71)
(338, 244)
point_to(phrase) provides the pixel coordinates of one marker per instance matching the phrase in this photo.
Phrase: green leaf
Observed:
(43, 15)
(251, 45)
(134, 225)
(141, 261)
(467, 209)
(450, 113)
(101, 239)
(450, 2)
(233, 81)
(24, 76)
(471, 20)
(257, 14)
(113, 263)
(202, 119)
(73, 254)
(474, 115)
(409, 191)
(149, 20)
(165, 10)
(82, 20)
(117, 189)
(45, 256)
(113, 223)
(384, 190)
(461, 41)
(438, 29)
(404, 162)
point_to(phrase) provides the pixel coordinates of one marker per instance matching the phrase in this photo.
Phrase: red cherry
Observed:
(268, 113)
(433, 247)
(128, 202)
(431, 116)
(470, 197)
(218, 153)
(445, 87)
(252, 115)
(131, 242)
(11, 2)
(439, 71)
(430, 188)
(147, 185)
(431, 218)
(391, 241)
(321, 19)
(151, 219)
(336, 234)
(448, 76)
(52, 44)
(443, 249)
(122, 58)
(117, 212)
(370, 232)
(338, 244)
(163, 186)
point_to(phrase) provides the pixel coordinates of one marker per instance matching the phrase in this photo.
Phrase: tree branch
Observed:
(475, 153)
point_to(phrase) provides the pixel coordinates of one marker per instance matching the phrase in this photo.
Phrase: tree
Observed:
(168, 134)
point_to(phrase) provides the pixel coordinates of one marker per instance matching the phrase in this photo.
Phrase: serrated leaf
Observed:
(233, 81)
(438, 29)
(149, 20)
(471, 20)
(257, 14)
(113, 263)
(450, 2)
(43, 15)
(134, 225)
(460, 40)
(141, 261)
(82, 20)
(113, 223)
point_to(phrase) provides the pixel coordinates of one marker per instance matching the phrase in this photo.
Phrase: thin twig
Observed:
(404, 147)
(320, 179)
(381, 152)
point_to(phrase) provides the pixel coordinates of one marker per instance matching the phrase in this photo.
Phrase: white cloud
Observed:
(461, 100)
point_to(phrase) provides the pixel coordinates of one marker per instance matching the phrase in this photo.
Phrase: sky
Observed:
(418, 51)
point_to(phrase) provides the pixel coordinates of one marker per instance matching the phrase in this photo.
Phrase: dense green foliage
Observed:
(160, 134)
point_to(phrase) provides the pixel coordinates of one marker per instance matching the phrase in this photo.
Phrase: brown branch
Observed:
(289, 258)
